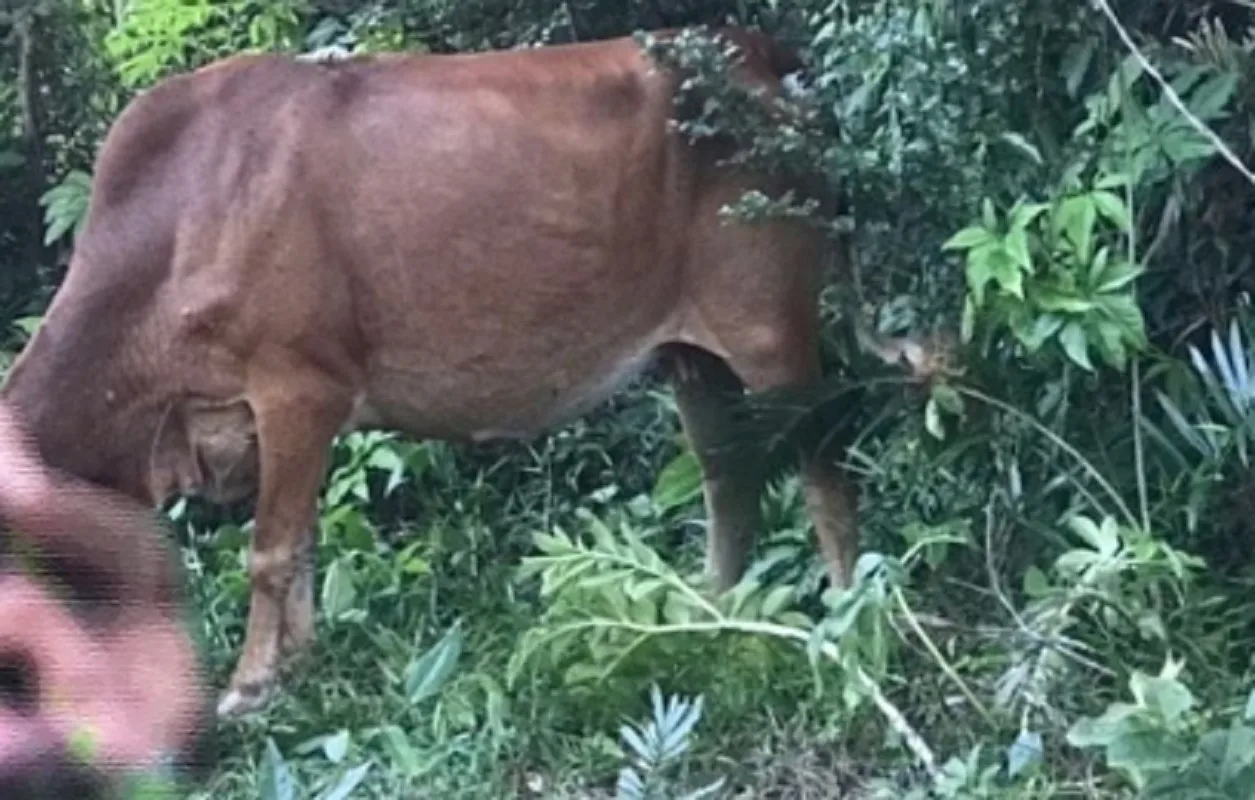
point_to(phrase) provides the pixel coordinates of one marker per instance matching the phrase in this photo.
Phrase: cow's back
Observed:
(483, 244)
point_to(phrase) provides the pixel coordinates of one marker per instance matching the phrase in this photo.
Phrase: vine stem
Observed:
(950, 672)
(1059, 442)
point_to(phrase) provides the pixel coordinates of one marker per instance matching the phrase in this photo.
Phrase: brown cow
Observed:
(91, 641)
(454, 246)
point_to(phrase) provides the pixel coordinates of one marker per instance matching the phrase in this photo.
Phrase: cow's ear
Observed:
(173, 466)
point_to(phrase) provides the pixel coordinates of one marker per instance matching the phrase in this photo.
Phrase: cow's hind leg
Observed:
(732, 476)
(297, 414)
(759, 311)
(831, 499)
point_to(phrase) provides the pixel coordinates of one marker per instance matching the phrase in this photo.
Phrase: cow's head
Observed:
(99, 679)
(107, 401)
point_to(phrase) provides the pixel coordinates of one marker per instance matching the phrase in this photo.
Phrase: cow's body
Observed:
(462, 247)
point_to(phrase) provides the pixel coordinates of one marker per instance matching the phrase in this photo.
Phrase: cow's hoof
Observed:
(245, 699)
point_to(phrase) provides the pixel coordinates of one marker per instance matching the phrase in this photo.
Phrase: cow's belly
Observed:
(489, 396)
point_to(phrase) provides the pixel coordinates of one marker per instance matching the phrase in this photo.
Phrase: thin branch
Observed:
(892, 714)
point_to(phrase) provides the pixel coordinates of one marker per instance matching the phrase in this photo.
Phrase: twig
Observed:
(1171, 94)
(892, 714)
(937, 656)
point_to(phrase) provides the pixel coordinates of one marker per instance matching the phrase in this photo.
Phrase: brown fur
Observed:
(455, 246)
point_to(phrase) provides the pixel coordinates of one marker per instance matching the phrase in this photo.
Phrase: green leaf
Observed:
(339, 589)
(1016, 245)
(988, 215)
(776, 601)
(347, 783)
(1035, 582)
(980, 270)
(336, 746)
(1114, 180)
(1054, 300)
(1104, 538)
(1076, 345)
(426, 675)
(1074, 219)
(1117, 721)
(679, 482)
(1165, 696)
(1043, 327)
(947, 398)
(1024, 752)
(1023, 145)
(1118, 275)
(1023, 214)
(968, 238)
(403, 753)
(967, 325)
(276, 782)
(1145, 752)
(1006, 272)
(1209, 99)
(932, 420)
(1111, 207)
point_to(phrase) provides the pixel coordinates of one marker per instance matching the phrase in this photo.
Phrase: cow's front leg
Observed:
(296, 422)
(298, 609)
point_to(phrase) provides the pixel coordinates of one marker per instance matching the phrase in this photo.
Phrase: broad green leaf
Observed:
(1035, 582)
(426, 675)
(347, 783)
(1209, 99)
(947, 398)
(336, 746)
(1103, 538)
(988, 215)
(1117, 275)
(1054, 300)
(932, 420)
(275, 782)
(1238, 754)
(1042, 328)
(339, 588)
(1112, 208)
(1023, 214)
(1165, 696)
(968, 238)
(1024, 752)
(967, 325)
(1004, 270)
(1076, 345)
(1144, 752)
(679, 482)
(1074, 219)
(980, 269)
(1016, 245)
(1114, 723)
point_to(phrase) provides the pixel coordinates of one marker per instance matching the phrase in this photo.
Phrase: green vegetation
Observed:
(1055, 594)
